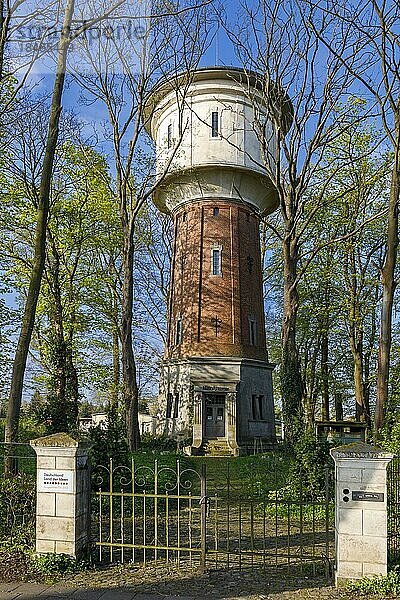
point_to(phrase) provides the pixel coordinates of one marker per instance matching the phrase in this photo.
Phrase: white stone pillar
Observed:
(198, 418)
(360, 511)
(63, 495)
(231, 421)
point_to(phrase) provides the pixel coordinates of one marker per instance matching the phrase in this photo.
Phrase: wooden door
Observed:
(214, 415)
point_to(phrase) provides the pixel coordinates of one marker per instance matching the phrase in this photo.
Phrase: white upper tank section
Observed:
(208, 139)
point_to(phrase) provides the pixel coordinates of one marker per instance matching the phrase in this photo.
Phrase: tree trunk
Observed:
(28, 320)
(130, 393)
(114, 396)
(72, 381)
(367, 389)
(356, 347)
(2, 38)
(356, 328)
(58, 362)
(291, 380)
(389, 285)
(324, 372)
(338, 406)
(325, 340)
(310, 381)
(367, 357)
(359, 385)
(4, 27)
(63, 389)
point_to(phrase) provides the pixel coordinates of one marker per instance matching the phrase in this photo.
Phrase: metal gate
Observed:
(142, 513)
(209, 517)
(393, 486)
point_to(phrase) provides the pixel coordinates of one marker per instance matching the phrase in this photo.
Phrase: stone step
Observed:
(217, 448)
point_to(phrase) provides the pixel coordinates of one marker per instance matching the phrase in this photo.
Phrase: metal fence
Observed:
(215, 519)
(393, 486)
(18, 493)
(20, 456)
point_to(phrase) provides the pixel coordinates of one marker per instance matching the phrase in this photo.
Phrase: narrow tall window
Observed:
(216, 261)
(168, 412)
(169, 135)
(178, 332)
(254, 408)
(257, 407)
(252, 331)
(176, 406)
(261, 407)
(216, 211)
(214, 124)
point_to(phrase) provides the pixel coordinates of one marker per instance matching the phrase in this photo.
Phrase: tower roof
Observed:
(277, 101)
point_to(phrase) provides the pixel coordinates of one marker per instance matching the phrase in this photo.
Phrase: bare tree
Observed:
(17, 56)
(372, 56)
(298, 80)
(154, 264)
(172, 40)
(21, 353)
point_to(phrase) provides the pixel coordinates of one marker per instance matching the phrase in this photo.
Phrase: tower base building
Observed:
(225, 405)
(216, 383)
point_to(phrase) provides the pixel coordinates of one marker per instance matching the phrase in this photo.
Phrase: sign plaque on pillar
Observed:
(55, 480)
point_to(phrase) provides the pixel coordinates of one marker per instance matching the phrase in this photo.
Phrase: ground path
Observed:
(166, 582)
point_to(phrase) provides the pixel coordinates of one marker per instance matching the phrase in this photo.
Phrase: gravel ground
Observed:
(233, 585)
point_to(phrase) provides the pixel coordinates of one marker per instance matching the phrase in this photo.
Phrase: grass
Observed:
(255, 475)
(246, 476)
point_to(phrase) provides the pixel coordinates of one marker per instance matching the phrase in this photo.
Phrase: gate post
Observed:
(63, 495)
(203, 518)
(360, 511)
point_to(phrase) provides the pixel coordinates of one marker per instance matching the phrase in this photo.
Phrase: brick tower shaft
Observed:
(216, 303)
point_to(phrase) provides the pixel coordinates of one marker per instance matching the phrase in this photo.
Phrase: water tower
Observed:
(216, 379)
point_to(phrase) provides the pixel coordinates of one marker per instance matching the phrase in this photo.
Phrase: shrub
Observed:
(107, 443)
(306, 474)
(17, 510)
(391, 435)
(380, 586)
(54, 564)
(311, 459)
(158, 443)
(29, 429)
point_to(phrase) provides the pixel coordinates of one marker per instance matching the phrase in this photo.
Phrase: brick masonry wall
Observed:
(198, 297)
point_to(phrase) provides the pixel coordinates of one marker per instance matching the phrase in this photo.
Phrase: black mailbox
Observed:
(362, 496)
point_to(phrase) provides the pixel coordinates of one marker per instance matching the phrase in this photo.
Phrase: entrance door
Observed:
(215, 415)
